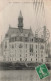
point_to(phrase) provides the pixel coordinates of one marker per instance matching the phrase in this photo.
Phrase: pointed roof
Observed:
(20, 15)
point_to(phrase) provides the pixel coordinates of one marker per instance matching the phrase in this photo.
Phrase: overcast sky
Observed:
(9, 12)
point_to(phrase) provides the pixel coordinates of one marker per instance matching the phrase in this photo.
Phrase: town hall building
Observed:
(20, 45)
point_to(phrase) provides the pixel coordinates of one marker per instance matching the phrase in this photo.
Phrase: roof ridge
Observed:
(13, 28)
(17, 28)
(26, 29)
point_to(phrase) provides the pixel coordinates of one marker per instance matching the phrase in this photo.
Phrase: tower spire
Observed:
(20, 15)
(20, 21)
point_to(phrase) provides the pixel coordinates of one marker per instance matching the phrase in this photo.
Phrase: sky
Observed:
(9, 12)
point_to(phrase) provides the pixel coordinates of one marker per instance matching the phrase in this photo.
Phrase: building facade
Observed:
(20, 45)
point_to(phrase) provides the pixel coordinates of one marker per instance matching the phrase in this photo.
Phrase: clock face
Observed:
(20, 45)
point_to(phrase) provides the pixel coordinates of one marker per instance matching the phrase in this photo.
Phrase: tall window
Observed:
(42, 60)
(26, 45)
(26, 39)
(32, 40)
(41, 51)
(26, 59)
(10, 40)
(12, 46)
(26, 50)
(36, 55)
(31, 47)
(15, 38)
(20, 38)
(36, 51)
(15, 45)
(30, 54)
(26, 55)
(5, 45)
(36, 46)
(20, 59)
(20, 55)
(36, 59)
(31, 59)
(41, 55)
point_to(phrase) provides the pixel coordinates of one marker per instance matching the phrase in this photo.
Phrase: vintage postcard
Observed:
(25, 40)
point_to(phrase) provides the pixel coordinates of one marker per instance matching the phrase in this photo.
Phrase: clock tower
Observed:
(20, 21)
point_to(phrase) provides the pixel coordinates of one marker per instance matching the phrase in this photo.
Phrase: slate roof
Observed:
(17, 32)
(25, 33)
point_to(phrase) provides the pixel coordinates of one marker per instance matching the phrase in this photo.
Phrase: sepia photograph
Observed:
(25, 40)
